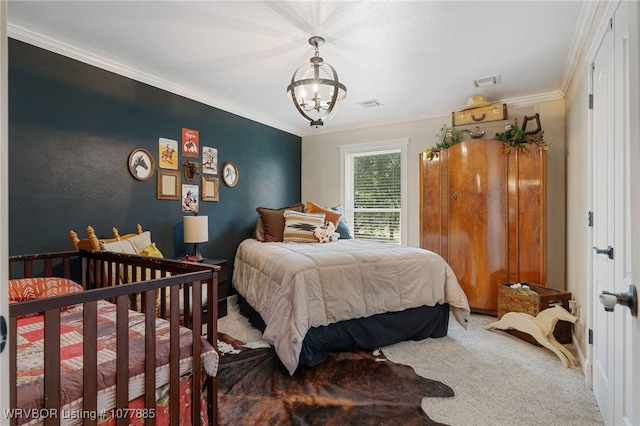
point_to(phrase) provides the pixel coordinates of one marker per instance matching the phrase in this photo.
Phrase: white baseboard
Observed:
(584, 362)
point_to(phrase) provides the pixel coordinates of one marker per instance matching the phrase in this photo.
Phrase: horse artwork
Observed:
(167, 155)
(138, 161)
(190, 147)
(541, 328)
(190, 143)
(141, 164)
(209, 160)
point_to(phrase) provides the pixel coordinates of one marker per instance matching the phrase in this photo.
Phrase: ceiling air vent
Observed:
(487, 81)
(371, 103)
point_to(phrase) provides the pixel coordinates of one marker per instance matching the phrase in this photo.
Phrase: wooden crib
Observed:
(177, 324)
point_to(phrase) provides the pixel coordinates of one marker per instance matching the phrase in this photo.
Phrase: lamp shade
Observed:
(196, 229)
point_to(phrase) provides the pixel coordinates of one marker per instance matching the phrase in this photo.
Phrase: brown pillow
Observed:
(330, 215)
(258, 233)
(273, 221)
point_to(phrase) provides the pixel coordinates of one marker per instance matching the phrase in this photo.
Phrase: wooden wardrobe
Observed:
(484, 212)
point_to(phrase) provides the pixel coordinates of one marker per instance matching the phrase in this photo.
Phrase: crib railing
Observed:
(114, 269)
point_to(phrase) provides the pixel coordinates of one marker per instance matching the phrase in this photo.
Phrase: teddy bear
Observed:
(326, 233)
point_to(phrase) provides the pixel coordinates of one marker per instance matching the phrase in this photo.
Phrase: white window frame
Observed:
(391, 144)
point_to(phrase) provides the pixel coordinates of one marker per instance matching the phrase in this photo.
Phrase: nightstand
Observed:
(223, 277)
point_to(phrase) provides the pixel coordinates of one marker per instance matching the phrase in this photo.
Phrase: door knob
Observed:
(630, 300)
(608, 251)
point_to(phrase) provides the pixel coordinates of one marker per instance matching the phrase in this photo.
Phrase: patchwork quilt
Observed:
(30, 348)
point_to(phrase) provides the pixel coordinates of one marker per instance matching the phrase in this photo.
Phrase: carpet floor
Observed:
(497, 378)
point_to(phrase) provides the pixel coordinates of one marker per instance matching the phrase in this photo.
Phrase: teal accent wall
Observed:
(72, 127)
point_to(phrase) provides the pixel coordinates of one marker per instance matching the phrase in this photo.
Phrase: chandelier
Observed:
(315, 89)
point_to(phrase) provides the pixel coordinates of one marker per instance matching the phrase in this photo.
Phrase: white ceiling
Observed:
(418, 58)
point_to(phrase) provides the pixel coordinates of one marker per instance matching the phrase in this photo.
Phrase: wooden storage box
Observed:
(532, 302)
(485, 114)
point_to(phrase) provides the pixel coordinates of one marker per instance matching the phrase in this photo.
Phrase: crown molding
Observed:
(580, 38)
(56, 46)
(520, 102)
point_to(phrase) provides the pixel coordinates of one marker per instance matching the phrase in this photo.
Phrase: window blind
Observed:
(373, 194)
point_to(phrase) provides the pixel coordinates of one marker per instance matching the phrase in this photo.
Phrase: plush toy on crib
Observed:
(327, 233)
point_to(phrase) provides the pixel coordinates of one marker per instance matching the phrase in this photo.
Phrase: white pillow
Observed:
(123, 246)
(133, 245)
(140, 241)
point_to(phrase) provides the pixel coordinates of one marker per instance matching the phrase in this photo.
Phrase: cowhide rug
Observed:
(350, 388)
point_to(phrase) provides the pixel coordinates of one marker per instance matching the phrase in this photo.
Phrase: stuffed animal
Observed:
(327, 233)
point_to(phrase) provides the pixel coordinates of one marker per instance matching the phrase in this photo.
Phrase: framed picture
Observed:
(209, 160)
(190, 199)
(141, 164)
(230, 174)
(210, 188)
(168, 185)
(190, 143)
(168, 152)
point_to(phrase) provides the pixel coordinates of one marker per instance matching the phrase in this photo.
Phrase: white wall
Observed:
(321, 170)
(578, 187)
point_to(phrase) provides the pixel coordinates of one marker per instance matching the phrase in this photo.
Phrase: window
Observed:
(373, 189)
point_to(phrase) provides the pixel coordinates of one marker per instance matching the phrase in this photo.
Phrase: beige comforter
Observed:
(296, 286)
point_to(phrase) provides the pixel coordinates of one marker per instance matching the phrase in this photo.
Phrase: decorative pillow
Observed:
(299, 226)
(258, 234)
(123, 246)
(152, 251)
(140, 241)
(342, 227)
(21, 290)
(273, 221)
(330, 215)
(131, 245)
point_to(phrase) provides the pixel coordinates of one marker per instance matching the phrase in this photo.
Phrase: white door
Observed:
(616, 191)
(627, 196)
(603, 224)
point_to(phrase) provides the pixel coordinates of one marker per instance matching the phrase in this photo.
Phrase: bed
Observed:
(126, 362)
(312, 298)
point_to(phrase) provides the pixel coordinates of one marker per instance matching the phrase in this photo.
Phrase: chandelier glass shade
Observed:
(315, 89)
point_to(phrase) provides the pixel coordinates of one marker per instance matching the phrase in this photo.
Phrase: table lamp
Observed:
(196, 230)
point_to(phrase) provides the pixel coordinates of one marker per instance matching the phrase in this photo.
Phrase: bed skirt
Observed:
(364, 333)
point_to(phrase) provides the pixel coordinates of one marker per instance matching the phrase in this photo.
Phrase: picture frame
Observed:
(168, 154)
(209, 160)
(168, 185)
(210, 188)
(190, 202)
(190, 143)
(230, 174)
(141, 164)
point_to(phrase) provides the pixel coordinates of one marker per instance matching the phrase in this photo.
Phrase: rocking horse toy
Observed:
(541, 328)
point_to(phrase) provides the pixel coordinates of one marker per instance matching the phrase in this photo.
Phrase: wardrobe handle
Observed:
(454, 196)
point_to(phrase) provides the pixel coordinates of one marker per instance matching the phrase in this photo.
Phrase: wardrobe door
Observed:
(477, 220)
(528, 228)
(433, 210)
